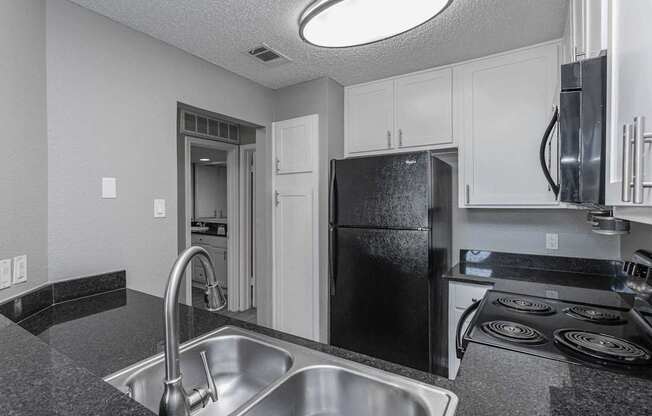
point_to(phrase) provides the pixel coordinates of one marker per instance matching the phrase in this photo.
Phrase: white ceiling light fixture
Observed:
(346, 23)
(204, 159)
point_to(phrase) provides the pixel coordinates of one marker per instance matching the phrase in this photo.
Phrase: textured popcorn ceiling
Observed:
(219, 31)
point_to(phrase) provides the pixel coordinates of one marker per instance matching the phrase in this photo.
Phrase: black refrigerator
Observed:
(389, 243)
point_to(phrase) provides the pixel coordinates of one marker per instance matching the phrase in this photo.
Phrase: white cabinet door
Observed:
(630, 74)
(505, 104)
(369, 117)
(295, 262)
(293, 147)
(295, 241)
(424, 113)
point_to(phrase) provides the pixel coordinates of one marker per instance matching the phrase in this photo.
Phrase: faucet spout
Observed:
(176, 401)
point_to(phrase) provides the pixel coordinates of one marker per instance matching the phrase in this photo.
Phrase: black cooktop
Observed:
(613, 339)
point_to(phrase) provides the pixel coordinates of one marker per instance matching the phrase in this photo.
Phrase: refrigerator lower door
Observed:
(380, 294)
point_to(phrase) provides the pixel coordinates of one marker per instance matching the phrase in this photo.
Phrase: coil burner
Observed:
(514, 332)
(594, 346)
(525, 305)
(598, 316)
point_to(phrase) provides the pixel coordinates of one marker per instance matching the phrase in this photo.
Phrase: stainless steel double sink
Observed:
(257, 375)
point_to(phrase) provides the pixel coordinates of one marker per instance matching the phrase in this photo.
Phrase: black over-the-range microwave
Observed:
(581, 119)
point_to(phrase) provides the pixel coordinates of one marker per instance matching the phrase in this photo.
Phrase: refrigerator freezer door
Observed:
(381, 191)
(380, 294)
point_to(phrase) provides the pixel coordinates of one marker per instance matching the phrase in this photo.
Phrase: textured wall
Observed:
(23, 154)
(112, 109)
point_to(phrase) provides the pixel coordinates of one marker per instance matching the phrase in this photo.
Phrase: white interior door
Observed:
(295, 282)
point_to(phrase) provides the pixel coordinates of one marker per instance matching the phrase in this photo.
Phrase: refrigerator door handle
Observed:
(332, 207)
(459, 335)
(332, 261)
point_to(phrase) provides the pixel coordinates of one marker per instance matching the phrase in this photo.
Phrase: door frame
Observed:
(313, 120)
(233, 214)
(247, 227)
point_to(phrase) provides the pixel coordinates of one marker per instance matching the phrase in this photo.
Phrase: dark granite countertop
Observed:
(580, 280)
(53, 363)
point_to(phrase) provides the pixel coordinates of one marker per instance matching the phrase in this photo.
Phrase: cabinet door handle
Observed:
(389, 139)
(627, 155)
(468, 194)
(278, 165)
(277, 200)
(641, 137)
(400, 137)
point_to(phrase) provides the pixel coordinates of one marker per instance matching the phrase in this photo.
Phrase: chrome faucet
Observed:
(176, 401)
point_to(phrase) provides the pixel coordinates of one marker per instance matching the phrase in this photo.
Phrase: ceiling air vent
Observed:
(267, 56)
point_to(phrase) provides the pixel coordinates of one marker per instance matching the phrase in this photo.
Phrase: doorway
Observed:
(212, 215)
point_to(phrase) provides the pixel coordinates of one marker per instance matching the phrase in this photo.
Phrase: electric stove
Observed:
(613, 339)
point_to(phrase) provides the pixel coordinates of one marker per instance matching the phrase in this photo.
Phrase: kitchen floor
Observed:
(198, 302)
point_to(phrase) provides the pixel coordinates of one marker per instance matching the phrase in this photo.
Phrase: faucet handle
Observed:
(212, 388)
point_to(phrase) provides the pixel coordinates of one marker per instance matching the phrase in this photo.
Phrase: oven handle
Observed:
(542, 153)
(459, 348)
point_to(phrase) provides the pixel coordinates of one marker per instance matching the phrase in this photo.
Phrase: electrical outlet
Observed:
(5, 273)
(552, 241)
(20, 269)
(109, 188)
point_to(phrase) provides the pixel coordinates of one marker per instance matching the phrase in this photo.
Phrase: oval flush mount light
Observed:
(345, 23)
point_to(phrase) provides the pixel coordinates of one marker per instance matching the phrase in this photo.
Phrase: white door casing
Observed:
(295, 227)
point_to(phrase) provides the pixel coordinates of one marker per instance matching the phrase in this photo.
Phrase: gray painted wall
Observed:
(23, 158)
(639, 238)
(112, 100)
(324, 97)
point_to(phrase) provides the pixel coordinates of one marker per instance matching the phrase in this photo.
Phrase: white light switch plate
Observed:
(552, 241)
(159, 208)
(109, 188)
(20, 269)
(5, 273)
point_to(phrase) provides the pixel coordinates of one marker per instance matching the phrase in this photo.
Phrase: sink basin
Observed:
(241, 367)
(261, 376)
(335, 391)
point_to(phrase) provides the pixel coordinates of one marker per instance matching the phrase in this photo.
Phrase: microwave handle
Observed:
(542, 153)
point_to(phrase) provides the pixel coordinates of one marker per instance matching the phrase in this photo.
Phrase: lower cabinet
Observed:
(460, 297)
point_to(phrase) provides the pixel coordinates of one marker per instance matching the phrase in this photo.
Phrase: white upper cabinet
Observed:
(424, 104)
(630, 98)
(411, 112)
(369, 117)
(588, 28)
(293, 151)
(503, 105)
